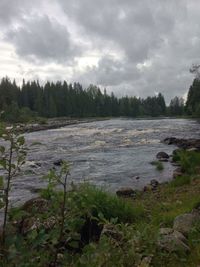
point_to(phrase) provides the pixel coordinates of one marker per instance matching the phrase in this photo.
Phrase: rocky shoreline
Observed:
(183, 143)
(173, 237)
(51, 124)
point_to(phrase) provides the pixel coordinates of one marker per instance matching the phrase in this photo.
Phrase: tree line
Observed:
(19, 103)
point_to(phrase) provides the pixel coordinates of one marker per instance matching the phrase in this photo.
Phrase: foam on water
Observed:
(108, 153)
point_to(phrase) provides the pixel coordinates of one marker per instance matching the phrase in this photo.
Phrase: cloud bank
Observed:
(134, 47)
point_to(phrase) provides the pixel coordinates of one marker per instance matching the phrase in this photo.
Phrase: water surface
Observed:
(107, 153)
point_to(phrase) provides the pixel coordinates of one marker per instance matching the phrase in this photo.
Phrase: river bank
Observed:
(49, 124)
(156, 227)
(109, 154)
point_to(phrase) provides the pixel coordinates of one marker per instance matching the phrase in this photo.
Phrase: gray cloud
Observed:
(42, 39)
(109, 72)
(12, 10)
(160, 32)
(143, 46)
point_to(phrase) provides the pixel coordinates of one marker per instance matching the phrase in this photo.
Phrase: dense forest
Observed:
(19, 103)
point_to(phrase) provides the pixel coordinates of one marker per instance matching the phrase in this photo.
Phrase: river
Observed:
(107, 153)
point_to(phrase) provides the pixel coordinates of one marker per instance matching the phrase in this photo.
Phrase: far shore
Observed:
(49, 124)
(54, 123)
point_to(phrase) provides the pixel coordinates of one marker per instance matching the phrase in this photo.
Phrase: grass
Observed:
(180, 181)
(189, 161)
(136, 224)
(99, 203)
(159, 165)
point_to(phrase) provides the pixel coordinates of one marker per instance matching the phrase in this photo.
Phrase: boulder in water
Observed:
(162, 156)
(58, 162)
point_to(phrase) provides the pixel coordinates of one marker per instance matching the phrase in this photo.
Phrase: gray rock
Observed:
(172, 240)
(58, 162)
(185, 222)
(37, 205)
(162, 156)
(126, 192)
(154, 184)
(34, 223)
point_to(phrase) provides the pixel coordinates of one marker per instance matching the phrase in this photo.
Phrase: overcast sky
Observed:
(134, 47)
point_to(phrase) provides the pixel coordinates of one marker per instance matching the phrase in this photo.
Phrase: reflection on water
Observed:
(108, 153)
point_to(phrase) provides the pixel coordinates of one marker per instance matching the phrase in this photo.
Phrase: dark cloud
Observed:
(142, 46)
(42, 39)
(161, 35)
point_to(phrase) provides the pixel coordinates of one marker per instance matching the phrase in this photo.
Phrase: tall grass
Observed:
(189, 161)
(98, 203)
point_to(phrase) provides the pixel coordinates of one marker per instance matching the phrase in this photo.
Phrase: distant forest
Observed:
(18, 104)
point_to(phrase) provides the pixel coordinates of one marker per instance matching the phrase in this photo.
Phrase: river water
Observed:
(107, 153)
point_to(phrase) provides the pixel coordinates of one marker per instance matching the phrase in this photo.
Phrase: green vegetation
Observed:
(11, 160)
(181, 180)
(158, 164)
(193, 99)
(132, 234)
(189, 161)
(132, 225)
(32, 100)
(87, 226)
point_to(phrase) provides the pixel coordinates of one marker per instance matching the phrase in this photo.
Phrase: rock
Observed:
(126, 192)
(172, 241)
(109, 230)
(34, 190)
(165, 231)
(58, 162)
(185, 222)
(177, 172)
(162, 156)
(36, 205)
(175, 164)
(169, 140)
(32, 223)
(183, 143)
(154, 184)
(29, 224)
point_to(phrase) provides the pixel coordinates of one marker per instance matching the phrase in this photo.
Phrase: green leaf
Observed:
(21, 140)
(3, 163)
(2, 149)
